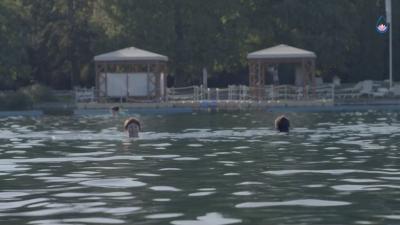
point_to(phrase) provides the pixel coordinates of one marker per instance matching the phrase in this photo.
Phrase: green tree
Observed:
(14, 68)
(54, 41)
(61, 40)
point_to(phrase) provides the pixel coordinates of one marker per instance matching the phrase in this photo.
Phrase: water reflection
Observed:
(201, 169)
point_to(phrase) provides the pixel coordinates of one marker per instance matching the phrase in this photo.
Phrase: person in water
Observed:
(115, 110)
(132, 126)
(282, 124)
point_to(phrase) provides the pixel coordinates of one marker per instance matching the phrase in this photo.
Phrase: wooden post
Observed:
(165, 71)
(305, 80)
(148, 79)
(105, 80)
(262, 81)
(312, 74)
(251, 74)
(252, 78)
(285, 92)
(97, 80)
(127, 86)
(258, 80)
(157, 85)
(272, 92)
(195, 93)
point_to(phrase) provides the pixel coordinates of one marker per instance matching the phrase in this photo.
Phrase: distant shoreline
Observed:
(10, 113)
(207, 106)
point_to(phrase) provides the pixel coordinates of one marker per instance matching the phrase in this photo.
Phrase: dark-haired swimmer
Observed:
(132, 126)
(115, 110)
(282, 124)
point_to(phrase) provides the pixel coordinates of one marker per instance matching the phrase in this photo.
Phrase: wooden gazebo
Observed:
(131, 74)
(261, 60)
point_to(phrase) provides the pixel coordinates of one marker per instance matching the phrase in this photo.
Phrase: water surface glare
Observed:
(189, 169)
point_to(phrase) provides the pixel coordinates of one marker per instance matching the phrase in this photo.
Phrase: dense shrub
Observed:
(15, 101)
(25, 97)
(38, 93)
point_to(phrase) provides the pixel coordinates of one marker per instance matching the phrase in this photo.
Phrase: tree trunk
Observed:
(179, 43)
(73, 56)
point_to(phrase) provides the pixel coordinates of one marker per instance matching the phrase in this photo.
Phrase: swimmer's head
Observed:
(131, 120)
(132, 126)
(282, 124)
(115, 110)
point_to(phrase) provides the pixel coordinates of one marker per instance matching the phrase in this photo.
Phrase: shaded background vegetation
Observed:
(53, 42)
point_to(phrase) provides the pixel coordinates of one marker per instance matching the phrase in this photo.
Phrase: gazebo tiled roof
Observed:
(130, 54)
(281, 52)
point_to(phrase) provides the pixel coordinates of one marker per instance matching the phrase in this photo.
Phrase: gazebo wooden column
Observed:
(312, 73)
(257, 78)
(308, 66)
(101, 79)
(252, 74)
(164, 71)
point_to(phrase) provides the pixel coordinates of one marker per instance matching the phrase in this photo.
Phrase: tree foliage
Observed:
(53, 42)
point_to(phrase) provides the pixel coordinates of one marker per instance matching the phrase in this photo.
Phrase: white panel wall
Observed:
(127, 84)
(138, 84)
(299, 76)
(116, 85)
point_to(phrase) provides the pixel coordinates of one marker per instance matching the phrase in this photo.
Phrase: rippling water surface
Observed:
(201, 169)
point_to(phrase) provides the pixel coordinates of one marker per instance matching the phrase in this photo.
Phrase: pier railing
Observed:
(85, 94)
(242, 92)
(364, 90)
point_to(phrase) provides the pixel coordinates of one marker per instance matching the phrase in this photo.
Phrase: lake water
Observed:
(201, 169)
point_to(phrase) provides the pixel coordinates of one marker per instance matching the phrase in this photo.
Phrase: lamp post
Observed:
(388, 5)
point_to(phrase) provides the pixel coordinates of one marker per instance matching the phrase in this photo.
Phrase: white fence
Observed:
(85, 94)
(242, 92)
(362, 90)
(365, 90)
